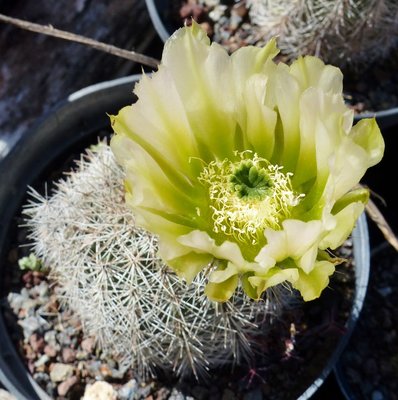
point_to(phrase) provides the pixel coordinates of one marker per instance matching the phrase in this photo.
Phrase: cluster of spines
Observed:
(339, 31)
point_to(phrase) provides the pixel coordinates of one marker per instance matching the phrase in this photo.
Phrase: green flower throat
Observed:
(251, 182)
(247, 196)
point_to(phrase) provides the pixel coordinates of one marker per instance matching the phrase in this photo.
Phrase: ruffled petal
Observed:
(221, 275)
(311, 71)
(189, 265)
(322, 126)
(361, 149)
(222, 291)
(251, 60)
(366, 134)
(311, 285)
(345, 222)
(230, 251)
(274, 277)
(297, 240)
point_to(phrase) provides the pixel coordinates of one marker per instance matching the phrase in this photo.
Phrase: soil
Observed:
(50, 339)
(367, 88)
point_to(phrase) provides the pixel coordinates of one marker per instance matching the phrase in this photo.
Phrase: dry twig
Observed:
(378, 218)
(107, 48)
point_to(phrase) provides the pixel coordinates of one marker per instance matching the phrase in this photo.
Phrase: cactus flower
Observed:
(243, 165)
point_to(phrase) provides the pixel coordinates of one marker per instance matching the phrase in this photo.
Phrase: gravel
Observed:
(68, 365)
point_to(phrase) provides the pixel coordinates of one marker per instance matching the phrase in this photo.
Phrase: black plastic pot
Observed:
(71, 127)
(160, 14)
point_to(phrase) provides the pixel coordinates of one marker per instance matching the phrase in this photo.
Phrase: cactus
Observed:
(338, 31)
(110, 276)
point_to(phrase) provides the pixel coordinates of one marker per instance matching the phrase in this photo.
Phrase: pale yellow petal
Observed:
(202, 242)
(202, 75)
(311, 285)
(274, 277)
(284, 243)
(249, 61)
(257, 120)
(310, 71)
(366, 133)
(222, 291)
(221, 275)
(345, 222)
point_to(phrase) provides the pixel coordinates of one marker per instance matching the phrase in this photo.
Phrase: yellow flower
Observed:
(244, 163)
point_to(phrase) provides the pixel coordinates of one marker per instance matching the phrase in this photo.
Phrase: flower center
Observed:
(251, 182)
(248, 195)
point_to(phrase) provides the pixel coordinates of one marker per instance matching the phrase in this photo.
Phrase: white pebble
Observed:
(100, 390)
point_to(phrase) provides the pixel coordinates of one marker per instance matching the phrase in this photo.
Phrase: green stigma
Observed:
(251, 182)
(247, 196)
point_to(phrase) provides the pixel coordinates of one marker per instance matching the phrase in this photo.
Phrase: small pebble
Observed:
(50, 337)
(41, 377)
(162, 394)
(176, 395)
(93, 368)
(100, 390)
(50, 351)
(81, 355)
(4, 395)
(64, 387)
(68, 355)
(128, 390)
(88, 344)
(118, 373)
(33, 324)
(44, 359)
(29, 353)
(37, 342)
(105, 370)
(60, 372)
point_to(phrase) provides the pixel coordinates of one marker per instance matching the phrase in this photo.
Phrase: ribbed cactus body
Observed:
(339, 31)
(110, 276)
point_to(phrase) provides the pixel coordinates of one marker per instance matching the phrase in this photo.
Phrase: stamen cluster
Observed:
(247, 196)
